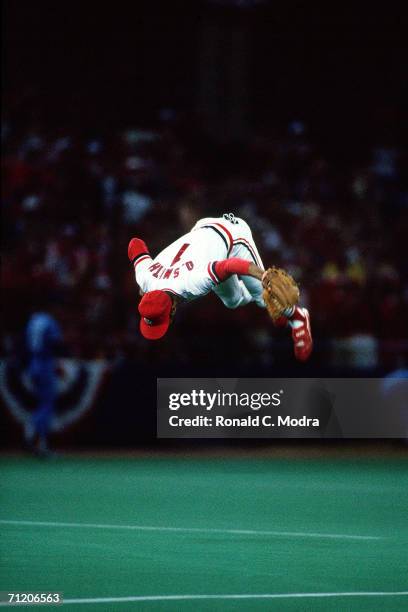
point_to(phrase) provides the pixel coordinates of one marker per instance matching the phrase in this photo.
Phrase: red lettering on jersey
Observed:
(179, 254)
(154, 267)
(176, 272)
(167, 273)
(189, 265)
(156, 274)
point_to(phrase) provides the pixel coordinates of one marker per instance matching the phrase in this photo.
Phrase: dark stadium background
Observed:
(136, 118)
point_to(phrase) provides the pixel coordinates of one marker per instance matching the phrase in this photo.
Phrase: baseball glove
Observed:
(280, 291)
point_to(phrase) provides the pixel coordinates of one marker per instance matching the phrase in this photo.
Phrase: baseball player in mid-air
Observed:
(219, 255)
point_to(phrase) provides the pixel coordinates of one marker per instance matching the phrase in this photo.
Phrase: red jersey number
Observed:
(179, 254)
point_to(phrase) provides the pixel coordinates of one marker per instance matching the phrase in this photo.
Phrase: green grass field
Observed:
(309, 530)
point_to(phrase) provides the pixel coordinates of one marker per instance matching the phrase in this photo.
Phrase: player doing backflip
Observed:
(219, 255)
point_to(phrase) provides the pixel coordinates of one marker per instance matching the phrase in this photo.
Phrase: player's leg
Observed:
(45, 408)
(233, 293)
(299, 319)
(244, 247)
(30, 429)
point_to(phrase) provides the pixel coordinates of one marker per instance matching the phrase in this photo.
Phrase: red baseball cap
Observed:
(154, 309)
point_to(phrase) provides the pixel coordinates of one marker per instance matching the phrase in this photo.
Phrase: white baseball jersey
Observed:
(186, 267)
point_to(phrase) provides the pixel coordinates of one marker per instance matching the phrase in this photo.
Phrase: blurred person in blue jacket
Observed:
(43, 339)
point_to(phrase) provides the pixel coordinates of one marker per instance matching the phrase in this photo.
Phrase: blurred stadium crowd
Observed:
(72, 201)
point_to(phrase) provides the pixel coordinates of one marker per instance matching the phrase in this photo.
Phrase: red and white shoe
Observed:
(301, 333)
